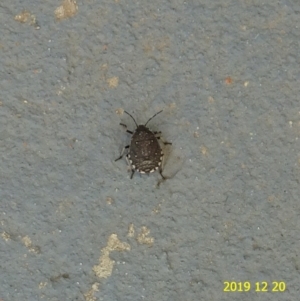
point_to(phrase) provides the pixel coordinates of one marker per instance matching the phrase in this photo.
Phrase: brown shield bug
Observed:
(144, 152)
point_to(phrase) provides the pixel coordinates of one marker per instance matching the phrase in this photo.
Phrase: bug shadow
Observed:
(173, 163)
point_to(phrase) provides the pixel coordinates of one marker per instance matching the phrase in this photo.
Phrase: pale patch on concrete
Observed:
(5, 236)
(43, 284)
(27, 241)
(68, 9)
(131, 231)
(143, 237)
(28, 244)
(105, 266)
(113, 82)
(26, 17)
(89, 296)
(119, 111)
(109, 200)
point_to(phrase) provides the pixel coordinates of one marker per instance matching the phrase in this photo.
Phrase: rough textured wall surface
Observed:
(73, 226)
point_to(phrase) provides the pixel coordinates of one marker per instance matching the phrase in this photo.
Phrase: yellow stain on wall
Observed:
(106, 264)
(68, 9)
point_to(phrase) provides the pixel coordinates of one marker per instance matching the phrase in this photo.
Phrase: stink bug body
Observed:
(144, 152)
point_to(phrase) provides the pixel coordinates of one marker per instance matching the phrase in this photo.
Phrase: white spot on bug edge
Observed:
(133, 166)
(152, 170)
(141, 171)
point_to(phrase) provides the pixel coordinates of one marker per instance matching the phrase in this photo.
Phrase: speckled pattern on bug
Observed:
(144, 152)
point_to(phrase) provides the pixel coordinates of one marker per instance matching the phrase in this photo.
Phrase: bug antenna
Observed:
(132, 118)
(153, 117)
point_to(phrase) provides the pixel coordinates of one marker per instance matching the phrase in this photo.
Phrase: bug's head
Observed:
(140, 128)
(146, 122)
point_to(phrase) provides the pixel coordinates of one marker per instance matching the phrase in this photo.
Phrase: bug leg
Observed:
(122, 153)
(129, 163)
(164, 142)
(160, 172)
(125, 126)
(159, 138)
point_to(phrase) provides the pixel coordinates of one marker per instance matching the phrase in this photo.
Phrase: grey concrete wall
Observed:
(73, 225)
